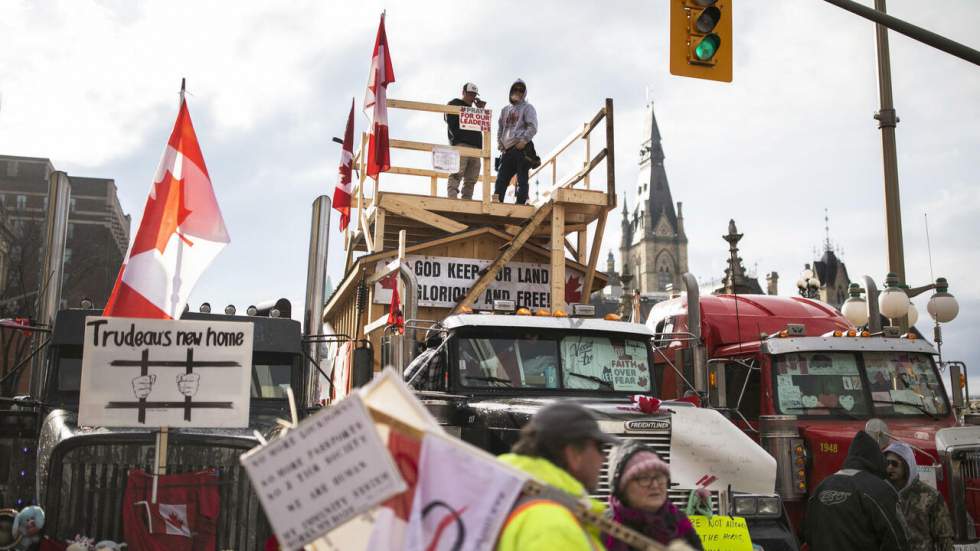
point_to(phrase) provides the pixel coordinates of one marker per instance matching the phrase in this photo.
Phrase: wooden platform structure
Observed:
(554, 231)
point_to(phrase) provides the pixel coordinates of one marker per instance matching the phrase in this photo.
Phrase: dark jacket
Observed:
(855, 509)
(471, 138)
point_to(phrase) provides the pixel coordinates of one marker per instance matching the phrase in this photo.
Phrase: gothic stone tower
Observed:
(654, 246)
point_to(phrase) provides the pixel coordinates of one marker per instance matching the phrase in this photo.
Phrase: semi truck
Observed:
(798, 377)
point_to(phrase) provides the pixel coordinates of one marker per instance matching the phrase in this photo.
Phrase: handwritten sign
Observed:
(445, 159)
(474, 118)
(721, 533)
(703, 442)
(328, 470)
(153, 373)
(443, 280)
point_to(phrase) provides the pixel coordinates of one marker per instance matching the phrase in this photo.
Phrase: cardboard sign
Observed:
(328, 470)
(443, 280)
(722, 533)
(474, 118)
(154, 373)
(445, 159)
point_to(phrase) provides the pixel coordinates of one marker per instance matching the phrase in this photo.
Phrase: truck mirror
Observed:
(956, 390)
(363, 367)
(717, 392)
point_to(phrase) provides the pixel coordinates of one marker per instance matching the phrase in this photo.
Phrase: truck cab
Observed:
(794, 374)
(483, 376)
(82, 471)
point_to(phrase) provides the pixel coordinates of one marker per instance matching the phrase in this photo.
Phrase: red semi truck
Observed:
(798, 377)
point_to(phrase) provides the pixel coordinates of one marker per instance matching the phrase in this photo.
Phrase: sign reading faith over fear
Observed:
(474, 118)
(443, 280)
(326, 471)
(153, 373)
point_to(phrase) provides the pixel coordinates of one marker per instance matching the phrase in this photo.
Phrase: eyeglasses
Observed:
(893, 463)
(646, 480)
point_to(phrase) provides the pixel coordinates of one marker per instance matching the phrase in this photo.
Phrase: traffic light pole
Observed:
(912, 31)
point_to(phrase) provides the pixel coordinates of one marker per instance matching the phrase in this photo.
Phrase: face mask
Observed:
(516, 97)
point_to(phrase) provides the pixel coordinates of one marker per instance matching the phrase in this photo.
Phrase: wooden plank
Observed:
(425, 172)
(570, 248)
(515, 245)
(588, 154)
(434, 186)
(558, 258)
(583, 238)
(424, 106)
(379, 323)
(426, 146)
(594, 256)
(610, 155)
(457, 206)
(436, 220)
(583, 196)
(379, 230)
(384, 272)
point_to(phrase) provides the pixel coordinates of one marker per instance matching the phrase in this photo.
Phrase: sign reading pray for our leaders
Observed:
(139, 372)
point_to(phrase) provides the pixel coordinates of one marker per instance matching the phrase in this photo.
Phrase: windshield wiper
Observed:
(832, 409)
(919, 407)
(593, 378)
(491, 380)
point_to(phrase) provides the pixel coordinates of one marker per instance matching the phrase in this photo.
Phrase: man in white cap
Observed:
(469, 167)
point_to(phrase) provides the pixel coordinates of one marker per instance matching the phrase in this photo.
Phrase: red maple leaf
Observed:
(175, 519)
(573, 289)
(164, 213)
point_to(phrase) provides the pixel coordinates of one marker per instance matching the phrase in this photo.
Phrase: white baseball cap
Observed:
(470, 87)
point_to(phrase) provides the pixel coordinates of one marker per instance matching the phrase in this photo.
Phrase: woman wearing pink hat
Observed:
(639, 480)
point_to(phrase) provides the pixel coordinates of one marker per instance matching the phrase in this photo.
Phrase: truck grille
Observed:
(85, 490)
(969, 473)
(660, 443)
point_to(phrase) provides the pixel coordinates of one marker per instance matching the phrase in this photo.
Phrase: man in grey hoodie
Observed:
(517, 126)
(929, 525)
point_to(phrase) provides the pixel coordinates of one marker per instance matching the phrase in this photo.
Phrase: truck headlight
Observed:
(758, 506)
(746, 506)
(769, 506)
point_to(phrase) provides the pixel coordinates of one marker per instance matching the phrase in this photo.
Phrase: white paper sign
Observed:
(445, 159)
(152, 373)
(443, 280)
(703, 442)
(328, 470)
(474, 118)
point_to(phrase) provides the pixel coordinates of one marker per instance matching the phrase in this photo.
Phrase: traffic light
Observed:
(701, 39)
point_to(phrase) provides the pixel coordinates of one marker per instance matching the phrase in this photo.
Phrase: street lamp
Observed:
(942, 306)
(808, 285)
(855, 308)
(893, 302)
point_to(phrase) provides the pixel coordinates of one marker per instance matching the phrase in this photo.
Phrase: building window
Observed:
(663, 279)
(21, 202)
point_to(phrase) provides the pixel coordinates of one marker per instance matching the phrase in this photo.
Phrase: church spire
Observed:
(653, 189)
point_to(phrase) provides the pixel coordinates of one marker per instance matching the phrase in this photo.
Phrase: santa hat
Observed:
(642, 462)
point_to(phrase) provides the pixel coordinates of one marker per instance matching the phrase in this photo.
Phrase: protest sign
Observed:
(153, 373)
(722, 533)
(328, 470)
(474, 118)
(704, 443)
(443, 280)
(445, 159)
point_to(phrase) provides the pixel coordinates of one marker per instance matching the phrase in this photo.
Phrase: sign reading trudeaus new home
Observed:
(164, 373)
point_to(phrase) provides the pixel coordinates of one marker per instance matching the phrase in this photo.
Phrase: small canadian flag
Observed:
(180, 233)
(166, 518)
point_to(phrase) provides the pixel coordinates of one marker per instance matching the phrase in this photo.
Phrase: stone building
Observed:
(98, 231)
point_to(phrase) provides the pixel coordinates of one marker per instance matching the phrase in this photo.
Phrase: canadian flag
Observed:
(164, 518)
(342, 192)
(395, 315)
(382, 74)
(181, 232)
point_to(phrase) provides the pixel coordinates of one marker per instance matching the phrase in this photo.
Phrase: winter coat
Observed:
(544, 524)
(457, 136)
(664, 526)
(855, 509)
(929, 525)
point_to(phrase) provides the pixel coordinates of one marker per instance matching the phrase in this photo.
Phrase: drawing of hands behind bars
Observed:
(188, 384)
(143, 385)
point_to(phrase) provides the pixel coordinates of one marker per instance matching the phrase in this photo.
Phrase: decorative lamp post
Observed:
(808, 285)
(893, 302)
(913, 314)
(855, 308)
(942, 306)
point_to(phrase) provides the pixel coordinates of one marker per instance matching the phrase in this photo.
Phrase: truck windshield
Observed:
(584, 362)
(858, 385)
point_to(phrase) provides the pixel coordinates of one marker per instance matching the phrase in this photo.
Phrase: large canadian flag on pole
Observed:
(382, 74)
(343, 191)
(181, 232)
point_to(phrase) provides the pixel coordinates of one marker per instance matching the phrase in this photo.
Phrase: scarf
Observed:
(664, 526)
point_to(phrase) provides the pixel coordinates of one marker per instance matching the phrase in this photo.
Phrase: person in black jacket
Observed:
(469, 167)
(855, 509)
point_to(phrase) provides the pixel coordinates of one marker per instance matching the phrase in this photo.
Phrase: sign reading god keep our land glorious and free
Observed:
(443, 280)
(326, 471)
(154, 373)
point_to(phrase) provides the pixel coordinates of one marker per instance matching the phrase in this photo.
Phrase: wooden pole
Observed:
(610, 155)
(558, 258)
(159, 460)
(594, 256)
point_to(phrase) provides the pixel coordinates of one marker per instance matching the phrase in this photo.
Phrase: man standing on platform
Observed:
(469, 167)
(517, 127)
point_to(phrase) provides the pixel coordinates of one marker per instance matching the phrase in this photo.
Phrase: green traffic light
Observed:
(708, 47)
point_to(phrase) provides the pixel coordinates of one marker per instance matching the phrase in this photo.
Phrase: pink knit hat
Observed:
(642, 462)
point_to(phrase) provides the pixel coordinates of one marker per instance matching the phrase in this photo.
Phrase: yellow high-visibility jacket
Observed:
(541, 524)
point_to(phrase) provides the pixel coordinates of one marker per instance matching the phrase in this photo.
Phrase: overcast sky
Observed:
(93, 86)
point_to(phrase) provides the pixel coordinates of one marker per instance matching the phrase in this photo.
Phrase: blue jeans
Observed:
(512, 162)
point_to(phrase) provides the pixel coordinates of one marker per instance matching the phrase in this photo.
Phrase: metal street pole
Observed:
(887, 121)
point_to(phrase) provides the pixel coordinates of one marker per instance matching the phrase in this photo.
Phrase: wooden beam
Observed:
(403, 208)
(504, 257)
(570, 248)
(594, 256)
(610, 155)
(379, 323)
(408, 171)
(558, 258)
(379, 230)
(426, 146)
(583, 238)
(423, 106)
(582, 196)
